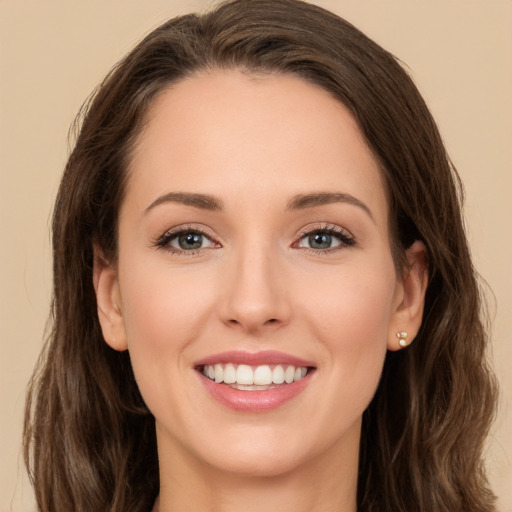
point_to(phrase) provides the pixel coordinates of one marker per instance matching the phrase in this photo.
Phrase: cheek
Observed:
(161, 306)
(351, 318)
(163, 314)
(354, 303)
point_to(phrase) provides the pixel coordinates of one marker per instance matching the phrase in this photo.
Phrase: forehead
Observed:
(218, 131)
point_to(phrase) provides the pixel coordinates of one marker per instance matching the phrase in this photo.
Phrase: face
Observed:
(255, 287)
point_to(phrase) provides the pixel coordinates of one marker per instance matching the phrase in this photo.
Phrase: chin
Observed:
(257, 464)
(264, 451)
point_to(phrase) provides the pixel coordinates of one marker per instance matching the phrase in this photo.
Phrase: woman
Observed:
(263, 293)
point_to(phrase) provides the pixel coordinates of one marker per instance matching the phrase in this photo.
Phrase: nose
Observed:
(255, 295)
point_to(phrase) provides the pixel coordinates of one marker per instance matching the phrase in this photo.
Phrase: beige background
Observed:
(52, 54)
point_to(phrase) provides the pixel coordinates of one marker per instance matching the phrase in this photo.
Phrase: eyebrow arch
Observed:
(203, 201)
(302, 201)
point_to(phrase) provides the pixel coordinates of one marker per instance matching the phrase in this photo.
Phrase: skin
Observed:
(256, 142)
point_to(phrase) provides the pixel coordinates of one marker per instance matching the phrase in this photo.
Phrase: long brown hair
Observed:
(90, 440)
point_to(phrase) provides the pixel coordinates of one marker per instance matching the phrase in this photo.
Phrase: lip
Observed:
(254, 401)
(254, 359)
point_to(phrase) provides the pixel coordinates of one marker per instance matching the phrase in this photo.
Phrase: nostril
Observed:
(270, 323)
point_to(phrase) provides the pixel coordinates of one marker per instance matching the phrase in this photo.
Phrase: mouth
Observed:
(254, 378)
(258, 382)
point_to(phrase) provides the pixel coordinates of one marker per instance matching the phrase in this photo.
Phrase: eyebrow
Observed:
(298, 202)
(203, 201)
(302, 201)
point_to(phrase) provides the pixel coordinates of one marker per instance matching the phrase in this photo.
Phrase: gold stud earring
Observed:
(402, 338)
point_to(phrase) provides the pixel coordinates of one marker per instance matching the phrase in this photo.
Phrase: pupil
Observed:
(320, 241)
(190, 241)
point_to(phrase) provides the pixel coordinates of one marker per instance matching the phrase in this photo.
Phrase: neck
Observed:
(326, 483)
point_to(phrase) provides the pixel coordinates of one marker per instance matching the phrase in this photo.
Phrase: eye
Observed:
(190, 241)
(325, 239)
(319, 240)
(185, 241)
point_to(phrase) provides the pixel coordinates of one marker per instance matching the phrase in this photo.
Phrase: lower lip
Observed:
(254, 401)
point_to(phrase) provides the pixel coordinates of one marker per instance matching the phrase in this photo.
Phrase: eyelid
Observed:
(346, 237)
(324, 226)
(162, 241)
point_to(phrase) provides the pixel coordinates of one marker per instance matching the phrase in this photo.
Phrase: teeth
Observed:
(219, 373)
(278, 375)
(244, 376)
(229, 374)
(263, 375)
(288, 374)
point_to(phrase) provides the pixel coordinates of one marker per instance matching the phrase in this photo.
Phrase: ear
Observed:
(108, 299)
(410, 301)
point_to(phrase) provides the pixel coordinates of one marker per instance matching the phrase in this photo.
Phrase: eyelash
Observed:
(346, 239)
(344, 236)
(163, 242)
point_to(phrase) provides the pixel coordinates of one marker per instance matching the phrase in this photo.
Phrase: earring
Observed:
(402, 338)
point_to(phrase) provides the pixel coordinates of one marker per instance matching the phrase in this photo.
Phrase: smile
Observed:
(254, 382)
(254, 378)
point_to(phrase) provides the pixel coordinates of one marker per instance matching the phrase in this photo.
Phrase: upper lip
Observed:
(269, 357)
